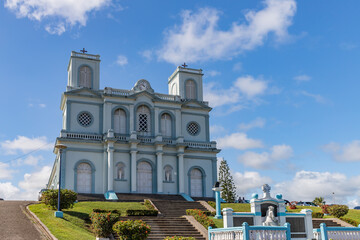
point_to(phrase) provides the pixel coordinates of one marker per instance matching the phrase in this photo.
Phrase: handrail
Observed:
(336, 233)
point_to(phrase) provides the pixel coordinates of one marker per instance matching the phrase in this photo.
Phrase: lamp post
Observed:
(60, 147)
(217, 190)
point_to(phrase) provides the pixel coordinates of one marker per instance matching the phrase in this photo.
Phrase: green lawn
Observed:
(75, 224)
(353, 214)
(237, 207)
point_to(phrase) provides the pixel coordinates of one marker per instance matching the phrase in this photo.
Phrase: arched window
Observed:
(168, 171)
(190, 89)
(143, 120)
(166, 125)
(120, 171)
(120, 121)
(85, 77)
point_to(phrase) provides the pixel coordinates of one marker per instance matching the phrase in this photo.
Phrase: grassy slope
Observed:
(75, 224)
(353, 214)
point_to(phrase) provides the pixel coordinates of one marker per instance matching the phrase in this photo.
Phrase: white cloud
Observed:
(281, 152)
(42, 105)
(65, 12)
(266, 160)
(307, 185)
(33, 182)
(347, 153)
(219, 97)
(256, 123)
(217, 129)
(212, 73)
(302, 78)
(5, 172)
(238, 141)
(147, 54)
(121, 60)
(238, 66)
(29, 160)
(199, 38)
(317, 97)
(250, 86)
(249, 181)
(25, 144)
(8, 191)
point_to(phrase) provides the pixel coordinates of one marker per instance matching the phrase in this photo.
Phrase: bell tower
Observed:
(187, 83)
(83, 71)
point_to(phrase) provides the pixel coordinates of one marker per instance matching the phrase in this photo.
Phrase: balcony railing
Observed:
(83, 136)
(336, 233)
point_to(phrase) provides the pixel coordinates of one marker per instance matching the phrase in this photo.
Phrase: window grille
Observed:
(85, 119)
(143, 119)
(193, 128)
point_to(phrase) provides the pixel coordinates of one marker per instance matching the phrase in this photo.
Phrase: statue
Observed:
(270, 219)
(266, 189)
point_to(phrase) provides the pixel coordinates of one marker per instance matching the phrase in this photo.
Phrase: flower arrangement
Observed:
(132, 230)
(201, 217)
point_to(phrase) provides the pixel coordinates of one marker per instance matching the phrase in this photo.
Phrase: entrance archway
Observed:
(196, 184)
(84, 178)
(144, 178)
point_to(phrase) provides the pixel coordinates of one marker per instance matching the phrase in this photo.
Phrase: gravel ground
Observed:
(14, 223)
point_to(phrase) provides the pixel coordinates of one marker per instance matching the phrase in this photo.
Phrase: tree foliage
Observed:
(319, 201)
(228, 192)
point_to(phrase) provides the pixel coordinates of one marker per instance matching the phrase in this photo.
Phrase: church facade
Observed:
(137, 140)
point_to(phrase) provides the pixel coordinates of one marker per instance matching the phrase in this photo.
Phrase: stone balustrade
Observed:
(84, 136)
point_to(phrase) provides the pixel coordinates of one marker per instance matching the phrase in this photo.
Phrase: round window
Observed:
(85, 119)
(193, 128)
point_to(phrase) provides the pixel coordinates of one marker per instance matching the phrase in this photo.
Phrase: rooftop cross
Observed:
(184, 65)
(83, 50)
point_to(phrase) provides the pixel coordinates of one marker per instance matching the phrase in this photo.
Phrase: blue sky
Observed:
(281, 76)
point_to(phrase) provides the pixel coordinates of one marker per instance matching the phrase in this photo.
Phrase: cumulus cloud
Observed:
(315, 184)
(239, 141)
(349, 152)
(5, 172)
(265, 160)
(250, 86)
(8, 191)
(243, 92)
(199, 38)
(256, 123)
(70, 12)
(25, 144)
(34, 182)
(302, 78)
(249, 181)
(29, 160)
(217, 129)
(121, 60)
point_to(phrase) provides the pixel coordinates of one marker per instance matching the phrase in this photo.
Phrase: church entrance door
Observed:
(144, 178)
(196, 183)
(84, 178)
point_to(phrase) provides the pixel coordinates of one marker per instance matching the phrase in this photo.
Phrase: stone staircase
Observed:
(176, 208)
(328, 222)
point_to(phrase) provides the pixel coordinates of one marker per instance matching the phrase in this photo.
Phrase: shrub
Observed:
(67, 198)
(179, 238)
(148, 205)
(325, 209)
(338, 210)
(132, 230)
(102, 222)
(136, 212)
(292, 205)
(350, 221)
(201, 217)
(98, 210)
(317, 215)
(212, 203)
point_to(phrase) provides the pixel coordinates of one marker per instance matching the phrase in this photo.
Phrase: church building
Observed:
(137, 140)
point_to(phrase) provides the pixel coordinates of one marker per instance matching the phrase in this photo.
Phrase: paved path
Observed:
(14, 224)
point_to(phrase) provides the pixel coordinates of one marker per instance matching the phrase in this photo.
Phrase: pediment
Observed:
(142, 94)
(83, 91)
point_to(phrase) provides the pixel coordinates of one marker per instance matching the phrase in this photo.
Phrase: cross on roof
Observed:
(184, 65)
(83, 50)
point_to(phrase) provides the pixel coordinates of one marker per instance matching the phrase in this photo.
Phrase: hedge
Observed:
(102, 223)
(132, 230)
(179, 238)
(338, 210)
(67, 198)
(136, 212)
(317, 215)
(201, 217)
(350, 221)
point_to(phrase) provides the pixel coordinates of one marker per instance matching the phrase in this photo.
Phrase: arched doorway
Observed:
(144, 178)
(196, 185)
(83, 178)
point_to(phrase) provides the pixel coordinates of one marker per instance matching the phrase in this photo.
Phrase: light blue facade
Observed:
(98, 145)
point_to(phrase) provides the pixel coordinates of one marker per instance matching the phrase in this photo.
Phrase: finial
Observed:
(83, 50)
(184, 65)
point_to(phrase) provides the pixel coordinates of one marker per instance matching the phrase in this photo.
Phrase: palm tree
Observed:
(319, 201)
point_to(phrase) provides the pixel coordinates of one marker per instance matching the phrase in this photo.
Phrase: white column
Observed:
(131, 119)
(133, 171)
(156, 119)
(181, 174)
(159, 172)
(110, 151)
(228, 217)
(178, 123)
(308, 223)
